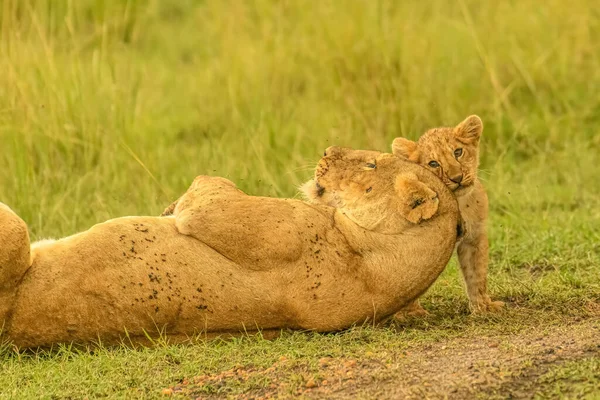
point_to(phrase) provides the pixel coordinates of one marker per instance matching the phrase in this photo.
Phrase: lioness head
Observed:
(378, 191)
(451, 153)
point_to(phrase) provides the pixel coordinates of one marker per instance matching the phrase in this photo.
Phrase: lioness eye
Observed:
(372, 165)
(458, 153)
(433, 164)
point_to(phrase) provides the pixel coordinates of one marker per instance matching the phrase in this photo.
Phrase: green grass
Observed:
(578, 379)
(112, 108)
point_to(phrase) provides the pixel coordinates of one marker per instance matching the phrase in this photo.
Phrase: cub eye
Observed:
(458, 153)
(433, 164)
(371, 165)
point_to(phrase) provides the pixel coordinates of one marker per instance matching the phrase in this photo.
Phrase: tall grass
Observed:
(111, 108)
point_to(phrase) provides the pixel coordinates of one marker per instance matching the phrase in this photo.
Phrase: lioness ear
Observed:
(470, 129)
(405, 148)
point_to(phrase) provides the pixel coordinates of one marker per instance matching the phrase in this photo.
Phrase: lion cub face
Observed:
(451, 153)
(371, 188)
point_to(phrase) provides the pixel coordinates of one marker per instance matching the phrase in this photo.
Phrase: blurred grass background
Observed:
(111, 108)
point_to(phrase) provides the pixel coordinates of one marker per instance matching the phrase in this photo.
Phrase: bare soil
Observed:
(503, 366)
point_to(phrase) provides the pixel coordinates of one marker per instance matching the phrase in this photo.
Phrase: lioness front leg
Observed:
(473, 259)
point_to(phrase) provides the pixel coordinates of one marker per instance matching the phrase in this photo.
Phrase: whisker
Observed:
(304, 168)
(484, 171)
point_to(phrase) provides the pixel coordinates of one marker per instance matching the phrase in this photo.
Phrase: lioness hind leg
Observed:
(417, 201)
(15, 252)
(15, 257)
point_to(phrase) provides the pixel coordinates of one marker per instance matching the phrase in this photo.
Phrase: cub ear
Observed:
(405, 148)
(470, 129)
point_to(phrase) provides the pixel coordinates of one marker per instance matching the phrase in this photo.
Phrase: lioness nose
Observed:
(320, 189)
(457, 178)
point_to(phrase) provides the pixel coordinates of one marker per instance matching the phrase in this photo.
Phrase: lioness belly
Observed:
(143, 277)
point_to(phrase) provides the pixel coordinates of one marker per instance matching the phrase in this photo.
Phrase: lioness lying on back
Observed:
(229, 263)
(453, 155)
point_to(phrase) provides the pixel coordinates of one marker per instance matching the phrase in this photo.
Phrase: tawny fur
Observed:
(456, 152)
(226, 262)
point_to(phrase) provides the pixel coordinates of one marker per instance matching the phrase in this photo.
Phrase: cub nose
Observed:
(457, 178)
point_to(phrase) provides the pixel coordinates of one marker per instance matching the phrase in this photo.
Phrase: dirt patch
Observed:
(502, 366)
(332, 375)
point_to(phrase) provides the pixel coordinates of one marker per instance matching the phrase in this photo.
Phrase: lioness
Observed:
(453, 155)
(226, 262)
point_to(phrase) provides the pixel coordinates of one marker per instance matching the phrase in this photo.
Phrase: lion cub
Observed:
(453, 155)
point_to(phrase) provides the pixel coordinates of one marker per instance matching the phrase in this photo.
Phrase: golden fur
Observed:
(226, 262)
(453, 155)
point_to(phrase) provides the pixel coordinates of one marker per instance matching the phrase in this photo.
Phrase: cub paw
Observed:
(417, 201)
(487, 306)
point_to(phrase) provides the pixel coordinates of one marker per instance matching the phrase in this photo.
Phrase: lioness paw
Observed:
(418, 201)
(414, 309)
(423, 208)
(169, 210)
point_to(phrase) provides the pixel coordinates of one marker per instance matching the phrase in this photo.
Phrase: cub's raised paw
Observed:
(417, 201)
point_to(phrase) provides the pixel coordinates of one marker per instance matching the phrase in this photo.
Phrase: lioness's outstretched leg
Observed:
(15, 257)
(259, 233)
